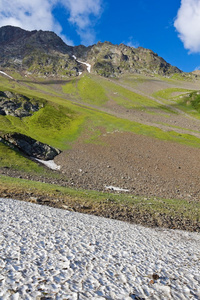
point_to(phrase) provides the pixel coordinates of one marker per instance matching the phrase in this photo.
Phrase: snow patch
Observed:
(84, 63)
(115, 188)
(88, 65)
(49, 163)
(6, 74)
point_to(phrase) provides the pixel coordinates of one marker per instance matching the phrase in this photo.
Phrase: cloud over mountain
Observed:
(32, 15)
(187, 24)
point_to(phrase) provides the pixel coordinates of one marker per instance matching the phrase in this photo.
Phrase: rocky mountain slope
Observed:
(44, 53)
(112, 60)
(38, 52)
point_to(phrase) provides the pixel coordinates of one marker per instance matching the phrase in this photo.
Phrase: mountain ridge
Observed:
(44, 53)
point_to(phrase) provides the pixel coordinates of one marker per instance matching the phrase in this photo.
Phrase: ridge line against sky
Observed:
(170, 28)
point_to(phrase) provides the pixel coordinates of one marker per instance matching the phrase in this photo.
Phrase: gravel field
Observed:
(143, 165)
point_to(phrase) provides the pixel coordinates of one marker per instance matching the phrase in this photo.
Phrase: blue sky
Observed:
(171, 28)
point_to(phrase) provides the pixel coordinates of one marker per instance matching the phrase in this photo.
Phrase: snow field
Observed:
(57, 254)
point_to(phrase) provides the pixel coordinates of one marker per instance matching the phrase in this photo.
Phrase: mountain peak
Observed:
(44, 53)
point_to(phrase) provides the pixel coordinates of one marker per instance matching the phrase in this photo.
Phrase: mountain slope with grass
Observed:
(135, 131)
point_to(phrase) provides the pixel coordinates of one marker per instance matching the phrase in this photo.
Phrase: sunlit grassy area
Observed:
(61, 121)
(86, 90)
(97, 202)
(171, 93)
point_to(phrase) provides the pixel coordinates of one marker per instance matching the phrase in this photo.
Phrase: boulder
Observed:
(30, 147)
(17, 105)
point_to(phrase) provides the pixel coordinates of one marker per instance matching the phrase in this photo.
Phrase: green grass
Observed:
(86, 90)
(60, 122)
(168, 94)
(54, 125)
(156, 207)
(16, 161)
(182, 76)
(71, 88)
(190, 104)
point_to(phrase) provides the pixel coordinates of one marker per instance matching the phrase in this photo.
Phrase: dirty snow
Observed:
(6, 74)
(49, 163)
(84, 63)
(48, 253)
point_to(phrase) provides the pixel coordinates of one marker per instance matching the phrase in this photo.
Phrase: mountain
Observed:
(112, 60)
(44, 53)
(39, 52)
(137, 133)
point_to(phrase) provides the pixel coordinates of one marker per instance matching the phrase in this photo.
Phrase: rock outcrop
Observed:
(17, 105)
(112, 60)
(29, 146)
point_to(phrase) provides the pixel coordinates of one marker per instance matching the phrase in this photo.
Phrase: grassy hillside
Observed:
(79, 105)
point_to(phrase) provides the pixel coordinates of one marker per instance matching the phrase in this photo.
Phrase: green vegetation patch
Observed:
(86, 90)
(16, 161)
(192, 101)
(170, 93)
(71, 88)
(190, 104)
(53, 124)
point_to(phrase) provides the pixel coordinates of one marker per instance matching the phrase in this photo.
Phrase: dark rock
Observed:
(17, 105)
(30, 147)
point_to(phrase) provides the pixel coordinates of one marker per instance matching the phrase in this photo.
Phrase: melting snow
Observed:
(84, 63)
(48, 253)
(115, 188)
(6, 74)
(49, 163)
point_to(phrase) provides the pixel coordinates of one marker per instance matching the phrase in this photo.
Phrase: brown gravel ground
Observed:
(141, 164)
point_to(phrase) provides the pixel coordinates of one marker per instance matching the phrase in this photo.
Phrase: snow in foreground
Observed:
(47, 253)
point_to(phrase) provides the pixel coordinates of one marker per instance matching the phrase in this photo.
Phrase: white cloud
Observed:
(82, 14)
(187, 24)
(36, 15)
(132, 43)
